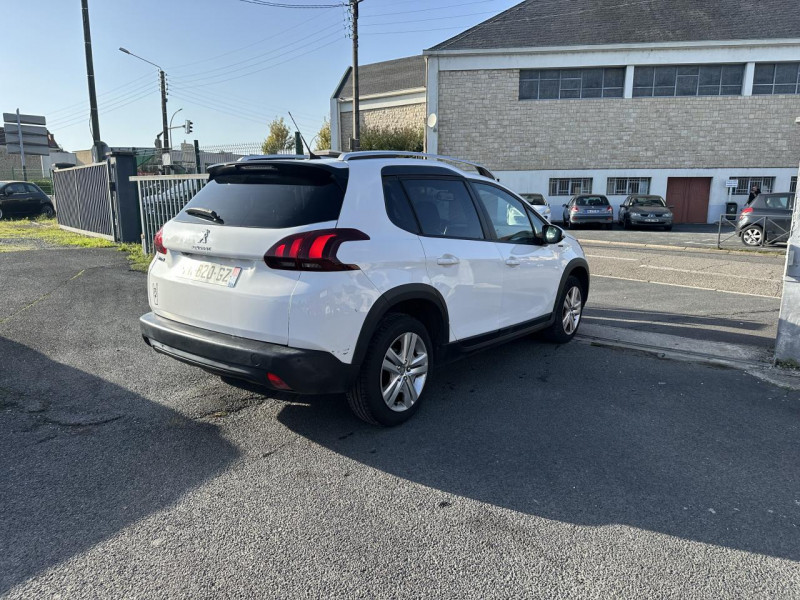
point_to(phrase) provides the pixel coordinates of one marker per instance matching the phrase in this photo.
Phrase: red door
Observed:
(688, 197)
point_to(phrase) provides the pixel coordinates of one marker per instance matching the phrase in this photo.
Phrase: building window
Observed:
(746, 184)
(554, 84)
(688, 80)
(622, 186)
(776, 78)
(570, 186)
(793, 185)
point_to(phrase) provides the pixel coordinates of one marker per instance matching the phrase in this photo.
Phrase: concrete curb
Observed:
(777, 253)
(750, 359)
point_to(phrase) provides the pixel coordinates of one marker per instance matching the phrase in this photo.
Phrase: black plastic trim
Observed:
(461, 348)
(304, 371)
(575, 263)
(390, 299)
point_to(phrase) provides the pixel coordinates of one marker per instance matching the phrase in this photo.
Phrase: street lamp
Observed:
(162, 76)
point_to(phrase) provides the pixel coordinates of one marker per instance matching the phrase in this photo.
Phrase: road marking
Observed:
(691, 287)
(611, 257)
(712, 273)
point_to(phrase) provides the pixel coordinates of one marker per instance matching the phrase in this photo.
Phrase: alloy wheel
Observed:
(752, 236)
(404, 371)
(571, 311)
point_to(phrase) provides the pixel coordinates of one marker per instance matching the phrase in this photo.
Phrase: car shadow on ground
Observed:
(733, 330)
(83, 458)
(595, 437)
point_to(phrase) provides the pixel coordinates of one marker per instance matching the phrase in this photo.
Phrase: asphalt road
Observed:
(532, 470)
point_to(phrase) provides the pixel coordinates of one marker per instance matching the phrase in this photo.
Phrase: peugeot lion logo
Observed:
(201, 243)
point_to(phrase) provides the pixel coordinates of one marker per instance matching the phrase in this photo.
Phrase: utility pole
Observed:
(167, 150)
(355, 143)
(87, 41)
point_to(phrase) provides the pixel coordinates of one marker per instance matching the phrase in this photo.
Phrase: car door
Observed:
(462, 263)
(13, 201)
(532, 269)
(623, 209)
(31, 202)
(778, 209)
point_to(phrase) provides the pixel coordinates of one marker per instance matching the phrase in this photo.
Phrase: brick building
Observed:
(671, 97)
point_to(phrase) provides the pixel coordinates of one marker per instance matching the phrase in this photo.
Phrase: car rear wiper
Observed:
(204, 213)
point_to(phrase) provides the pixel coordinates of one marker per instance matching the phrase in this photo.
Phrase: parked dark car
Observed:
(771, 212)
(20, 198)
(645, 210)
(588, 208)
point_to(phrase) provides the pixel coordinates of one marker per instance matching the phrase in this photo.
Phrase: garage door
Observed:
(688, 197)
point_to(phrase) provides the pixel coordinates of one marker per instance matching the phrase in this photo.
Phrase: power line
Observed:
(284, 5)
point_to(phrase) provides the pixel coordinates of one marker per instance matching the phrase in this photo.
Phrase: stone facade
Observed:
(395, 117)
(11, 165)
(482, 118)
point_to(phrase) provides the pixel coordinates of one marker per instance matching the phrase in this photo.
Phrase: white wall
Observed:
(525, 182)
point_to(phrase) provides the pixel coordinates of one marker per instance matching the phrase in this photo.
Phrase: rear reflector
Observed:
(277, 382)
(312, 250)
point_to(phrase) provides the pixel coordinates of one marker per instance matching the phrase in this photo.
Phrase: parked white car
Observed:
(539, 203)
(359, 274)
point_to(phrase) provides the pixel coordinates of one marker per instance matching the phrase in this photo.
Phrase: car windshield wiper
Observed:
(204, 213)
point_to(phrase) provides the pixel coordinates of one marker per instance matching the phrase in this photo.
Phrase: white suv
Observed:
(357, 274)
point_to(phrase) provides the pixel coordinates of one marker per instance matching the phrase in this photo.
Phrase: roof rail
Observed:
(366, 154)
(250, 157)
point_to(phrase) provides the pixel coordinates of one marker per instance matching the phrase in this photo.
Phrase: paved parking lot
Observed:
(532, 471)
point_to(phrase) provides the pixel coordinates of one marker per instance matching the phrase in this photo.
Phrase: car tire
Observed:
(567, 224)
(380, 396)
(626, 224)
(568, 314)
(609, 226)
(1, 214)
(48, 211)
(668, 228)
(752, 236)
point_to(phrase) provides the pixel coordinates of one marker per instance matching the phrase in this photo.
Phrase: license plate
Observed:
(212, 273)
(651, 220)
(593, 211)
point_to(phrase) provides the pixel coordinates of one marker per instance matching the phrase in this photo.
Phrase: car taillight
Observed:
(610, 209)
(574, 209)
(158, 242)
(313, 250)
(747, 211)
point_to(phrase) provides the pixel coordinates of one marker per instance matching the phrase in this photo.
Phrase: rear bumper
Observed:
(304, 371)
(580, 219)
(656, 223)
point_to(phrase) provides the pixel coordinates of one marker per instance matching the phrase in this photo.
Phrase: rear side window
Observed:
(444, 208)
(277, 197)
(397, 206)
(778, 202)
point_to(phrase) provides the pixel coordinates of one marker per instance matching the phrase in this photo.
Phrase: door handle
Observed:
(513, 262)
(447, 260)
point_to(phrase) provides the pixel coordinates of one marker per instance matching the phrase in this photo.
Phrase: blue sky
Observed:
(232, 65)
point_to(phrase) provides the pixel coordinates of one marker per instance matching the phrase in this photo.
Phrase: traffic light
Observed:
(188, 126)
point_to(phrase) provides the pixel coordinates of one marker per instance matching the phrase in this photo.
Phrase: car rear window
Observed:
(271, 197)
(592, 201)
(534, 199)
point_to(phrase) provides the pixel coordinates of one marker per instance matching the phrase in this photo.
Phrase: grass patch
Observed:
(46, 232)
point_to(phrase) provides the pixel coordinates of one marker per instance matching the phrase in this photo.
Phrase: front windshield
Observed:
(648, 202)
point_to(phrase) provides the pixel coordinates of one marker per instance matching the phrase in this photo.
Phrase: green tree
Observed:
(324, 136)
(410, 139)
(280, 138)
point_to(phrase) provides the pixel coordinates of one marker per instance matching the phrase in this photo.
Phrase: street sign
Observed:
(732, 183)
(24, 119)
(34, 139)
(29, 150)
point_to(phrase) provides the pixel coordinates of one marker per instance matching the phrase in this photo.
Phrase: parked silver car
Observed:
(645, 210)
(539, 204)
(588, 208)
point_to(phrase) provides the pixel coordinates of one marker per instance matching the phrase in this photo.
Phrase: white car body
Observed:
(484, 287)
(540, 204)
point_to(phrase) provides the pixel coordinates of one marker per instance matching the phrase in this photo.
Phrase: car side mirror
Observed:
(552, 234)
(564, 205)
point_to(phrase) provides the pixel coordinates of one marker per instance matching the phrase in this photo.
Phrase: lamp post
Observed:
(787, 345)
(166, 157)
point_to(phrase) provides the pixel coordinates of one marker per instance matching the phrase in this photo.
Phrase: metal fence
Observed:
(771, 232)
(161, 197)
(83, 200)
